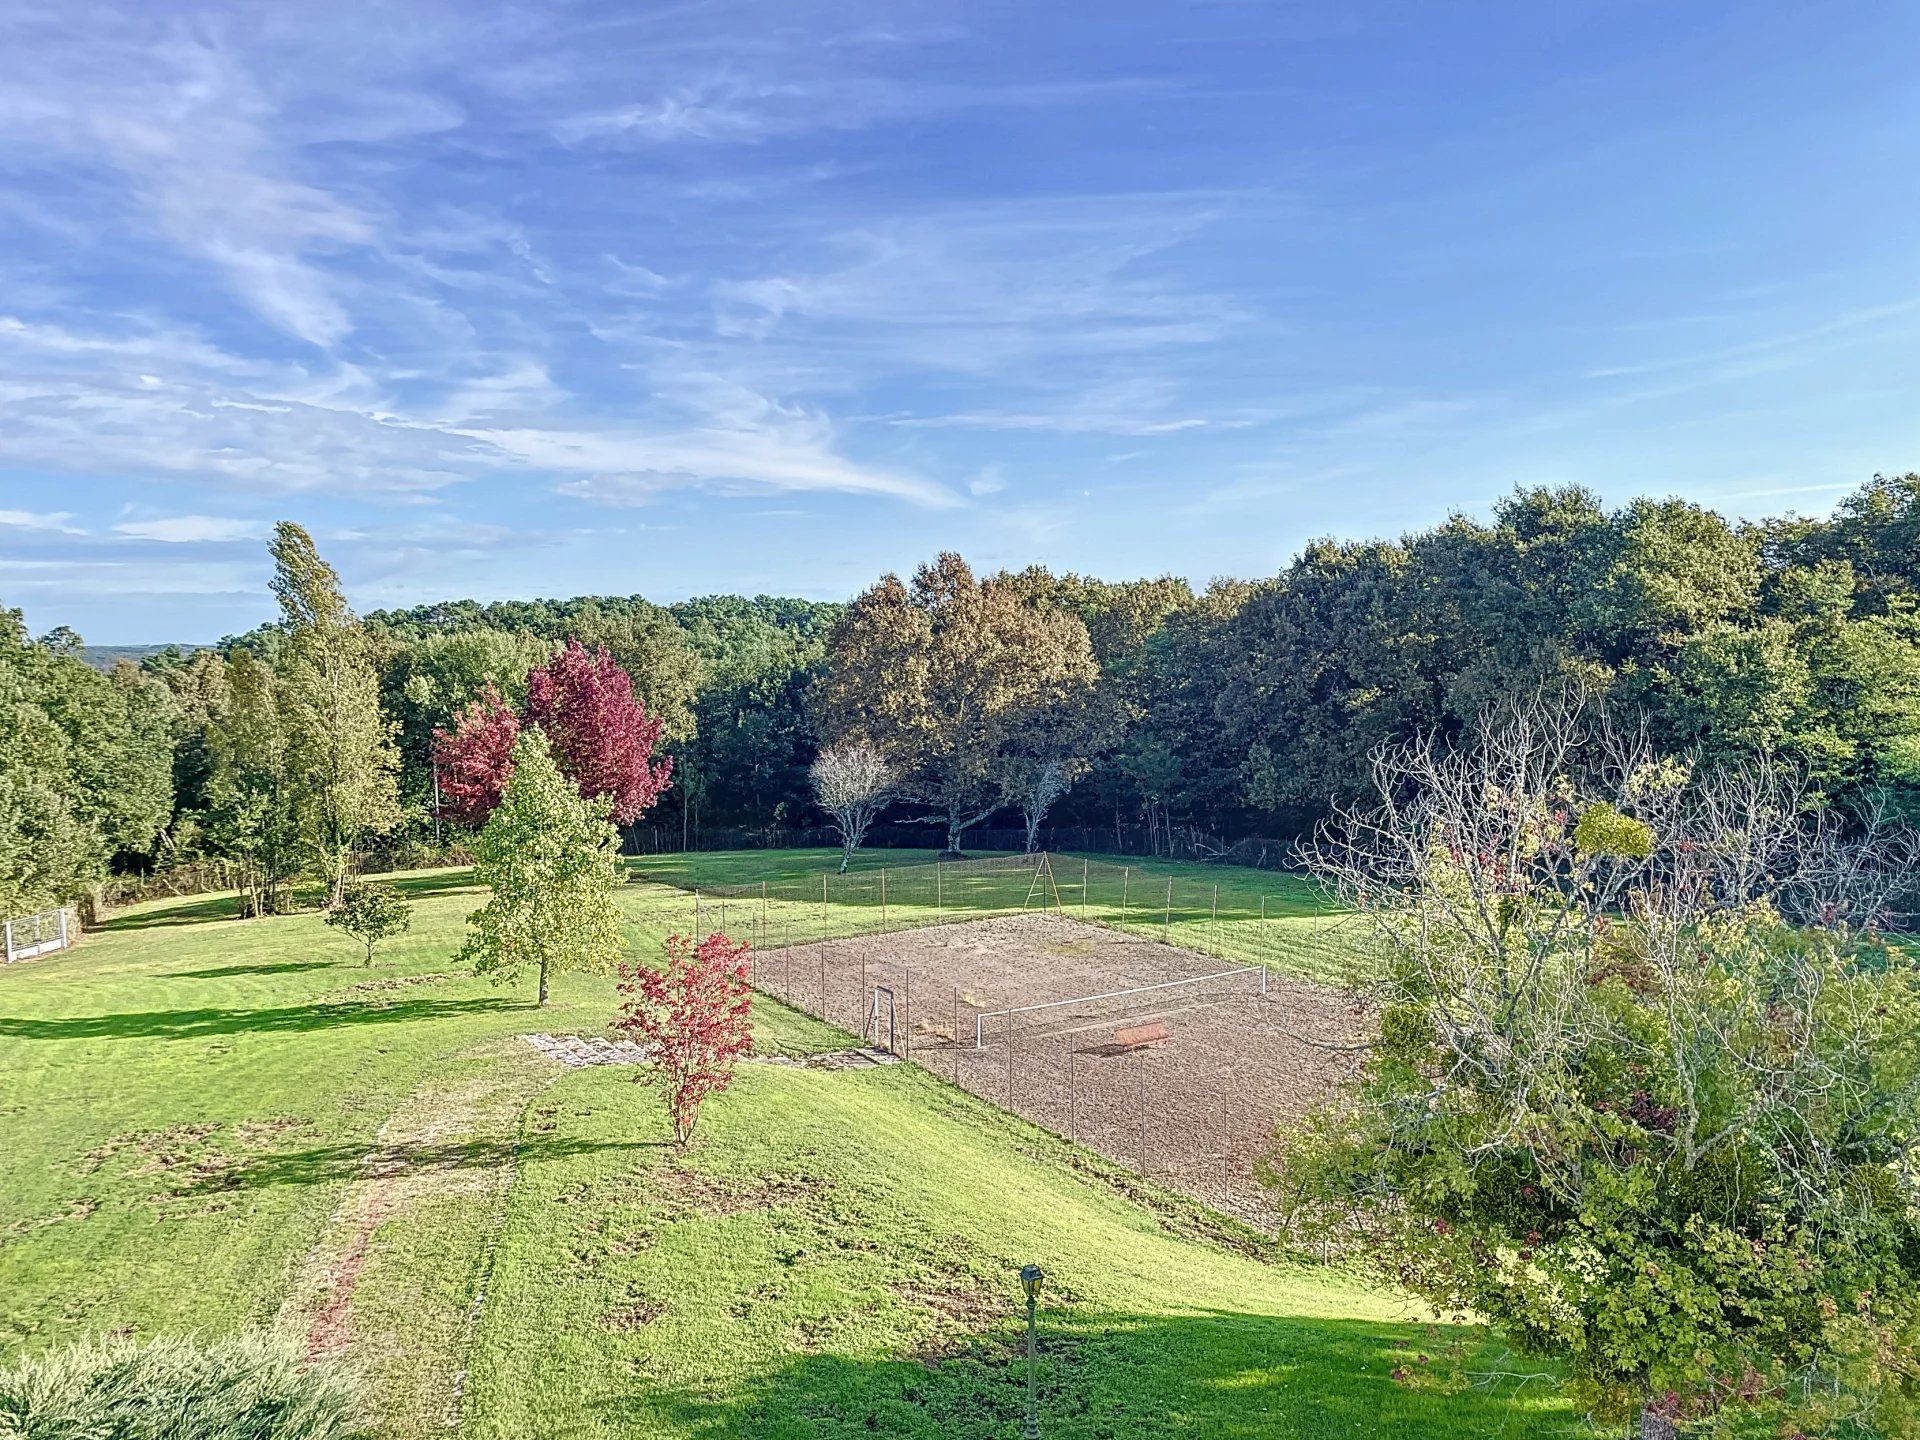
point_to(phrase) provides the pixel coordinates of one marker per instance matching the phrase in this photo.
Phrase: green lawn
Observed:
(1244, 916)
(209, 1124)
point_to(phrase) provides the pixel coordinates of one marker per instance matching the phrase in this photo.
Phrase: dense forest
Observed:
(1242, 710)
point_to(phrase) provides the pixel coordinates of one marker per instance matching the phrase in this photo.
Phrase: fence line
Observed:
(1184, 1120)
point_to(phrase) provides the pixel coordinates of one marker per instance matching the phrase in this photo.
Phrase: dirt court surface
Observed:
(1195, 1110)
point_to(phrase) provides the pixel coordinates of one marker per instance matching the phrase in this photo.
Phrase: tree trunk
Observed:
(1656, 1426)
(543, 985)
(955, 829)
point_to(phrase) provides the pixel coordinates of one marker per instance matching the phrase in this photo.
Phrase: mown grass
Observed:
(1244, 916)
(188, 1107)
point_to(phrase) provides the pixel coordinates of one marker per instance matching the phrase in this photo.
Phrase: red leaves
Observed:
(691, 1017)
(475, 759)
(601, 735)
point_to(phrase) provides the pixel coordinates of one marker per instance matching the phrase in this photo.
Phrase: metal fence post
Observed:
(1084, 869)
(909, 1024)
(1216, 918)
(883, 897)
(939, 898)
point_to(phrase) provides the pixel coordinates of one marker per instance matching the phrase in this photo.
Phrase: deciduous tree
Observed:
(601, 733)
(692, 1017)
(1647, 1087)
(551, 859)
(371, 911)
(475, 758)
(340, 752)
(942, 677)
(853, 783)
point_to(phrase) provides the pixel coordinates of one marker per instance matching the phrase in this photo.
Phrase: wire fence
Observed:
(1280, 921)
(1164, 1032)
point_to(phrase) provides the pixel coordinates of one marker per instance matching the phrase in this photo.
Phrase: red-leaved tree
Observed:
(474, 760)
(691, 1017)
(600, 731)
(601, 734)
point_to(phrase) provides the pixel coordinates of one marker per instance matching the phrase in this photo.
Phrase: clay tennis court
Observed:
(1244, 1052)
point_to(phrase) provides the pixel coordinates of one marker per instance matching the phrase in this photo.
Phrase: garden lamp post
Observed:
(1030, 1278)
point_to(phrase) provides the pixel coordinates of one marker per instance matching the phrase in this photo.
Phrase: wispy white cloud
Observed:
(193, 529)
(55, 521)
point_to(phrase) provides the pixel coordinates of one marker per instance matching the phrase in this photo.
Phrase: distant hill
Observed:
(105, 657)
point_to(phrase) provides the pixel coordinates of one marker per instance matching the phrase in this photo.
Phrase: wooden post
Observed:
(1143, 1111)
(1226, 1149)
(1123, 896)
(823, 982)
(1166, 924)
(1073, 1100)
(1216, 918)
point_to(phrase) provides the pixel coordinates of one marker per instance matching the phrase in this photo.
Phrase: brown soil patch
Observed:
(1194, 1112)
(636, 1316)
(690, 1192)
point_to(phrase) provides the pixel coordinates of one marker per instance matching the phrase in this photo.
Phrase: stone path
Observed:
(575, 1051)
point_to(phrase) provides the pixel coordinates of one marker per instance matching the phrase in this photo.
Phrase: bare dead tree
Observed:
(1036, 786)
(853, 783)
(1556, 899)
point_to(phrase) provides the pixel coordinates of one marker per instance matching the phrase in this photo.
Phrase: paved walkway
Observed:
(576, 1051)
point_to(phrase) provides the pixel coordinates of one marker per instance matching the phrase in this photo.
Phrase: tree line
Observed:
(1245, 709)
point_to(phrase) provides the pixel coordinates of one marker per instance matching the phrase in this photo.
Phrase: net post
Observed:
(1084, 869)
(909, 1025)
(1123, 896)
(883, 897)
(1166, 922)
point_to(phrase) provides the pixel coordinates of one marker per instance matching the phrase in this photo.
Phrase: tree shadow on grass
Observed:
(324, 1164)
(224, 906)
(1216, 1374)
(278, 967)
(193, 1024)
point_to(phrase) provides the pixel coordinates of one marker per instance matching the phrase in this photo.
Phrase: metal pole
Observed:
(1216, 917)
(883, 898)
(1073, 1100)
(1226, 1148)
(1032, 1431)
(1123, 896)
(908, 1044)
(1166, 923)
(1083, 887)
(1010, 1109)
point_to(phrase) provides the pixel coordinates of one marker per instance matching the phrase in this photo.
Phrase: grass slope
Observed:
(209, 1123)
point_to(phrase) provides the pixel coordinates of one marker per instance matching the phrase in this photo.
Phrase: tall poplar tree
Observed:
(341, 758)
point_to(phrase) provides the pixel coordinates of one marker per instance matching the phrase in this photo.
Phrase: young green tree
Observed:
(340, 752)
(552, 860)
(371, 912)
(1646, 1093)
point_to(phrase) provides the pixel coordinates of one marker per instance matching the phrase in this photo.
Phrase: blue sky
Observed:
(545, 299)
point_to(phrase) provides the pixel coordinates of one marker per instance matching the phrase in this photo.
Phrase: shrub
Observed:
(371, 913)
(250, 1387)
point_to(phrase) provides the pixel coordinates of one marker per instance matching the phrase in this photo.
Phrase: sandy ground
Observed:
(1195, 1111)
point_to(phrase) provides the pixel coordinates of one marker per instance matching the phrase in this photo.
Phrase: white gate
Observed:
(41, 934)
